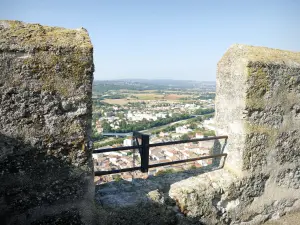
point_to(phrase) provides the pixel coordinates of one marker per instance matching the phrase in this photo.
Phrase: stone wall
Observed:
(46, 172)
(258, 106)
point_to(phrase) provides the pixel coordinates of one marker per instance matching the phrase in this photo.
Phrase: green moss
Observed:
(60, 58)
(63, 60)
(262, 54)
(193, 167)
(14, 23)
(163, 172)
(43, 37)
(255, 104)
(118, 178)
(61, 73)
(263, 129)
(74, 128)
(258, 82)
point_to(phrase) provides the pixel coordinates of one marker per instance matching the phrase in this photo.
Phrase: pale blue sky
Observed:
(166, 38)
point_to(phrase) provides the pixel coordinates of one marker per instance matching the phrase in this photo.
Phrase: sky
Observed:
(165, 39)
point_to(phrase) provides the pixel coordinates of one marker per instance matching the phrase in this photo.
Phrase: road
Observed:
(148, 131)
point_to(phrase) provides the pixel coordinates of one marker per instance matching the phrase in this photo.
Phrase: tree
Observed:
(204, 111)
(120, 115)
(209, 133)
(193, 126)
(96, 136)
(185, 137)
(105, 125)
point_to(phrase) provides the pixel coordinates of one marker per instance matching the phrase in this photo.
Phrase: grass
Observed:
(149, 96)
(142, 96)
(121, 101)
(176, 97)
(163, 172)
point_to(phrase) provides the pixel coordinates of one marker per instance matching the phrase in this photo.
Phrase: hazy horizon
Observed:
(168, 39)
(112, 79)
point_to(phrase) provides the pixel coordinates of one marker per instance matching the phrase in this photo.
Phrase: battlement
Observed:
(46, 177)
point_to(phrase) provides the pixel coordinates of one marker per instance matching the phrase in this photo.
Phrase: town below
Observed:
(167, 112)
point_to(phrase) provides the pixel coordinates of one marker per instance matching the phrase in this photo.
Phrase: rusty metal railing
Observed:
(142, 144)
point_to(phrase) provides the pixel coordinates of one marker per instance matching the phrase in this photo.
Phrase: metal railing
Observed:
(142, 144)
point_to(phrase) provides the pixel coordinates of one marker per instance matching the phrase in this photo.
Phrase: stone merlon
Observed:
(46, 76)
(256, 100)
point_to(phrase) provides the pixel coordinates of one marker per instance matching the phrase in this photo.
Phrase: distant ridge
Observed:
(161, 82)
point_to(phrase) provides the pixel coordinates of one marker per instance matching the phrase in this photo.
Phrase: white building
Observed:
(199, 135)
(209, 124)
(128, 142)
(182, 130)
(161, 115)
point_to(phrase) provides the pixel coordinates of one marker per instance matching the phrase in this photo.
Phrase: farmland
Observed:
(133, 107)
(133, 97)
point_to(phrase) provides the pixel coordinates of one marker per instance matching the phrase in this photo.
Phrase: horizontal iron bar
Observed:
(137, 133)
(187, 141)
(157, 144)
(187, 160)
(100, 173)
(115, 149)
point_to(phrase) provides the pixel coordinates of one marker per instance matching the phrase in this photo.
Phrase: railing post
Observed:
(145, 154)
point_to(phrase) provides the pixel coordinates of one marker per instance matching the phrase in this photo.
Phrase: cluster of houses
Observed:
(161, 154)
(153, 110)
(139, 116)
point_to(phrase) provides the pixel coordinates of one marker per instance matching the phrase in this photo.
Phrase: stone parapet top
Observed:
(262, 55)
(16, 35)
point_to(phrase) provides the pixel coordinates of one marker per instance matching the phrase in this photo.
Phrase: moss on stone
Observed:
(60, 59)
(254, 128)
(62, 73)
(164, 172)
(258, 85)
(74, 128)
(271, 132)
(42, 37)
(155, 195)
(262, 55)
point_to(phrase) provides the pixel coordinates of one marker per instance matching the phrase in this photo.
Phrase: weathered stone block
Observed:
(46, 76)
(257, 106)
(257, 103)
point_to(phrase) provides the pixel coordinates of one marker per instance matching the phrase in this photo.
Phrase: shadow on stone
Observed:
(218, 148)
(36, 183)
